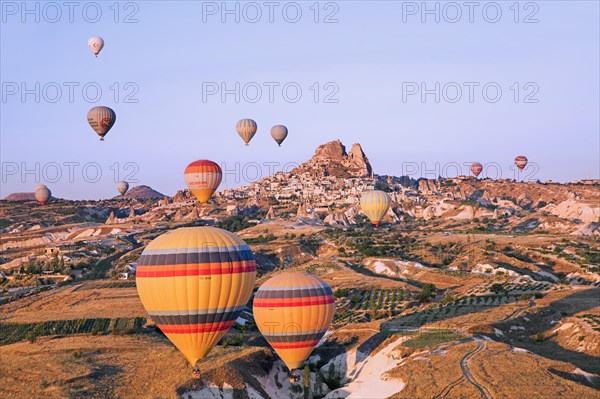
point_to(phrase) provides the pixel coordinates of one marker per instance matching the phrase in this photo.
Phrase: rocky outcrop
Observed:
(111, 218)
(331, 159)
(336, 218)
(270, 214)
(183, 196)
(429, 186)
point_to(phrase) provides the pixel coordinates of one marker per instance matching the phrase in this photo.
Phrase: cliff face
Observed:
(331, 159)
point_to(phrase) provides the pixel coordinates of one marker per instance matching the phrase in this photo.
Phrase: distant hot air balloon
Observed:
(42, 194)
(95, 44)
(122, 187)
(476, 168)
(101, 119)
(375, 205)
(203, 178)
(521, 162)
(293, 311)
(194, 282)
(279, 133)
(246, 128)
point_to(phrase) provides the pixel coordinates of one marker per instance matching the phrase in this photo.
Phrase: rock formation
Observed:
(331, 159)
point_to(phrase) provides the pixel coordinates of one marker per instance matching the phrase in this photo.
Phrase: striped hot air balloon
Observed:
(279, 133)
(101, 119)
(476, 168)
(203, 178)
(246, 128)
(194, 283)
(375, 205)
(293, 311)
(521, 162)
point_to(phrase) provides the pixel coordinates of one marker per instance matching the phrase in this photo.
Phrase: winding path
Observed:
(464, 366)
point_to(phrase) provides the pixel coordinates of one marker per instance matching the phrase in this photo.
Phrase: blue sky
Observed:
(367, 62)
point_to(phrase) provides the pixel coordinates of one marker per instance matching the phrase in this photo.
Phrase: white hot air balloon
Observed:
(122, 187)
(95, 44)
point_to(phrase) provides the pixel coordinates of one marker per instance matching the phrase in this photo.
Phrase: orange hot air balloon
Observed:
(375, 205)
(293, 311)
(194, 282)
(203, 178)
(476, 168)
(521, 162)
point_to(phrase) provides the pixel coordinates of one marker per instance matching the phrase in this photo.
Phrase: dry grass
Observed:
(74, 302)
(139, 366)
(505, 373)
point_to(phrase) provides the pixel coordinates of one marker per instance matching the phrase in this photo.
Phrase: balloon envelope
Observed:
(293, 311)
(42, 194)
(122, 187)
(375, 204)
(246, 128)
(521, 162)
(203, 178)
(95, 44)
(194, 282)
(476, 168)
(279, 133)
(101, 119)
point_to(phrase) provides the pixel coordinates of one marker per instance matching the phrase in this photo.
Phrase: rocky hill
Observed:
(143, 192)
(20, 197)
(331, 159)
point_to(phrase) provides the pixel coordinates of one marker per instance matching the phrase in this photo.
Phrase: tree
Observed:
(497, 288)
(427, 292)
(306, 382)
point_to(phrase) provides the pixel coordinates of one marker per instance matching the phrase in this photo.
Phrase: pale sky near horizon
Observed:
(368, 66)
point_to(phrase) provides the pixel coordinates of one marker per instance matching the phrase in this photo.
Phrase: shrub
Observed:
(540, 337)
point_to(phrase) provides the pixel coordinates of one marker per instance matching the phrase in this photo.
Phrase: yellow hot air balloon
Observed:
(101, 119)
(293, 311)
(375, 204)
(194, 282)
(246, 128)
(203, 178)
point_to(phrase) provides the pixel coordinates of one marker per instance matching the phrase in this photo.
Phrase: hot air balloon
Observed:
(246, 128)
(42, 194)
(203, 178)
(375, 204)
(293, 311)
(279, 133)
(101, 119)
(521, 162)
(95, 44)
(122, 187)
(194, 282)
(476, 168)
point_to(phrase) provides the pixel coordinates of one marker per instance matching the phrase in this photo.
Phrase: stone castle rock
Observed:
(331, 159)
